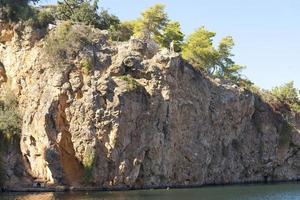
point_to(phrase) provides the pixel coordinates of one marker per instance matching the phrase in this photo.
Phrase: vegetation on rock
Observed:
(171, 33)
(41, 18)
(199, 51)
(2, 175)
(122, 32)
(86, 64)
(62, 46)
(132, 84)
(285, 133)
(152, 21)
(10, 125)
(287, 94)
(10, 122)
(88, 164)
(85, 11)
(154, 24)
(16, 10)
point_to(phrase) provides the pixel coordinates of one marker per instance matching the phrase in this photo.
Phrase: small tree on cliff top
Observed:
(154, 24)
(200, 52)
(171, 33)
(151, 22)
(85, 11)
(288, 94)
(16, 9)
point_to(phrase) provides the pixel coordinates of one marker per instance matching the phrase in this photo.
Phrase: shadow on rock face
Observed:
(3, 77)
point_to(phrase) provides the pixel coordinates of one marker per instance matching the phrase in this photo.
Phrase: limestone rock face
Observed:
(6, 32)
(139, 121)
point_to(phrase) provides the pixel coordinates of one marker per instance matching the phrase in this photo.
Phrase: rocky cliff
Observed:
(137, 120)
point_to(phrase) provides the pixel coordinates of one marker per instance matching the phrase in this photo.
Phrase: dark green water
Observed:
(247, 192)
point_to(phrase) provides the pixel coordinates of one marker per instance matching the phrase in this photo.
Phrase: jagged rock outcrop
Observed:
(142, 121)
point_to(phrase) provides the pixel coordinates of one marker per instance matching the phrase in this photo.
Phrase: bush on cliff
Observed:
(88, 164)
(85, 11)
(121, 32)
(10, 122)
(2, 172)
(287, 94)
(16, 10)
(67, 44)
(20, 10)
(41, 18)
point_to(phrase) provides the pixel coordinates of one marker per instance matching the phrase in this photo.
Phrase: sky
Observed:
(266, 32)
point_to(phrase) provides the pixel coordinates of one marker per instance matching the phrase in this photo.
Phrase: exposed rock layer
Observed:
(138, 121)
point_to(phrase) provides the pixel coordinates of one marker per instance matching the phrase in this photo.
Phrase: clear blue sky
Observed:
(266, 32)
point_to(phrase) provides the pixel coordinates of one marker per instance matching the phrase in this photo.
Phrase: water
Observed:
(246, 192)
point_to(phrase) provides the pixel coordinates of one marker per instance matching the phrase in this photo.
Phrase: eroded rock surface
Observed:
(142, 121)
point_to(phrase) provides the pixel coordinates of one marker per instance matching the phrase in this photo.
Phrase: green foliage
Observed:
(20, 10)
(107, 20)
(171, 33)
(86, 64)
(78, 11)
(200, 52)
(41, 18)
(10, 122)
(2, 175)
(122, 32)
(64, 44)
(15, 10)
(295, 107)
(88, 164)
(154, 24)
(225, 65)
(60, 44)
(288, 94)
(152, 21)
(85, 11)
(132, 84)
(285, 133)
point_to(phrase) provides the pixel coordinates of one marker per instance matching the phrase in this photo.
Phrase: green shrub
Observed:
(85, 12)
(59, 42)
(88, 164)
(132, 84)
(86, 64)
(10, 122)
(42, 18)
(15, 10)
(2, 174)
(285, 133)
(287, 94)
(121, 32)
(296, 107)
(64, 44)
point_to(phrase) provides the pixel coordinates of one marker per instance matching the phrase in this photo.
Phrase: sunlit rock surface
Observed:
(138, 120)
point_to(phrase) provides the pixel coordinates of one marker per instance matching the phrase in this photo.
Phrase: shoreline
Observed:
(101, 189)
